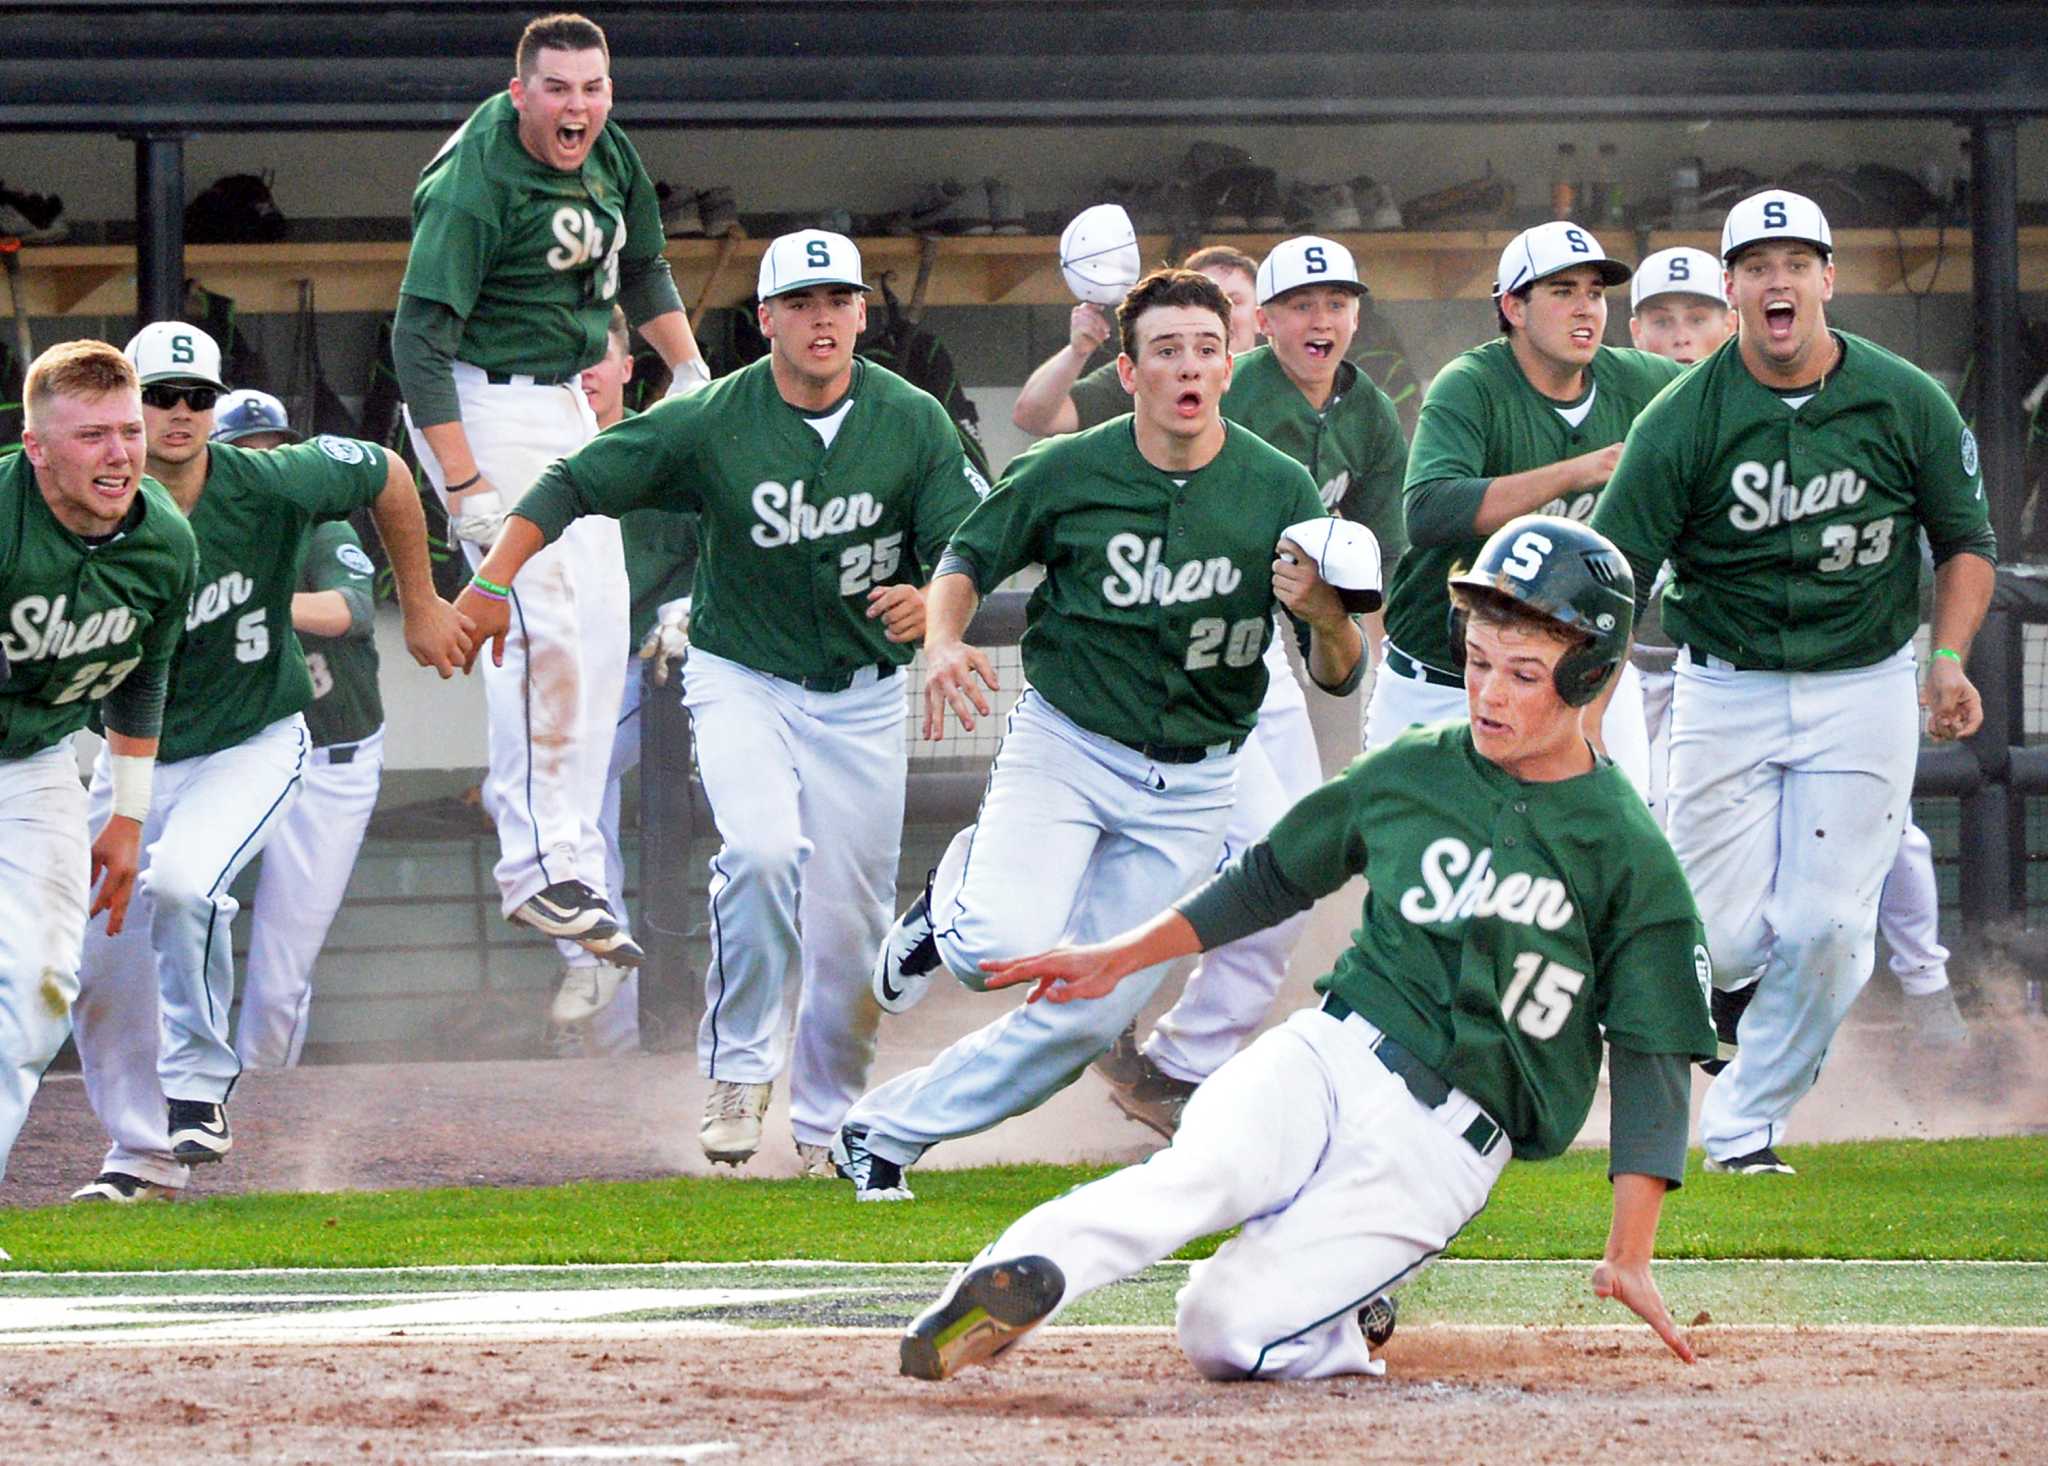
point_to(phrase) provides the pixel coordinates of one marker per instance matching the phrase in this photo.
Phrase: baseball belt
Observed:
(1430, 1088)
(1403, 665)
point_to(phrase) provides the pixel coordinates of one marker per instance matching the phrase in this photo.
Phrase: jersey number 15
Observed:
(1540, 998)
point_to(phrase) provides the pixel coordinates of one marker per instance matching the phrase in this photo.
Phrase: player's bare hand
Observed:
(440, 636)
(1087, 329)
(951, 673)
(116, 856)
(900, 609)
(1061, 975)
(1298, 587)
(489, 619)
(1597, 467)
(1954, 708)
(1632, 1285)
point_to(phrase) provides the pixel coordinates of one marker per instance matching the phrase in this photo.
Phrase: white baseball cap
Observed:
(1680, 271)
(1776, 213)
(171, 351)
(809, 257)
(1347, 555)
(1307, 259)
(1099, 254)
(1537, 253)
(244, 413)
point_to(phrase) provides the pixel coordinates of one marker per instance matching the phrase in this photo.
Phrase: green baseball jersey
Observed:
(1353, 447)
(1099, 396)
(1483, 420)
(795, 533)
(1152, 620)
(661, 560)
(346, 706)
(1506, 924)
(1791, 529)
(81, 617)
(530, 256)
(240, 668)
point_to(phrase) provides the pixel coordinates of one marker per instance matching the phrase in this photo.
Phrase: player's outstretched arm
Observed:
(1045, 404)
(117, 848)
(483, 600)
(1514, 494)
(1962, 593)
(951, 666)
(1624, 1273)
(1067, 973)
(436, 634)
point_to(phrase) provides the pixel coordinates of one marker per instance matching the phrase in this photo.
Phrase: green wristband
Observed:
(489, 587)
(1950, 653)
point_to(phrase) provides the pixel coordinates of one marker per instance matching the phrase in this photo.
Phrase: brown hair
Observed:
(564, 31)
(1498, 608)
(74, 369)
(1221, 257)
(619, 333)
(1166, 287)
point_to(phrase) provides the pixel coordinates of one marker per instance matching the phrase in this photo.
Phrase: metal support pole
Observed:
(159, 226)
(1994, 821)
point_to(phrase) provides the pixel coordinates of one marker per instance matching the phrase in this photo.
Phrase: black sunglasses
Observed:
(165, 395)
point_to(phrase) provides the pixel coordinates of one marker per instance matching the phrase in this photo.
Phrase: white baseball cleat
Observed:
(814, 1162)
(731, 1131)
(909, 958)
(586, 992)
(122, 1189)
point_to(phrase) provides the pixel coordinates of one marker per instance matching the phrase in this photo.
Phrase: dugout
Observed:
(129, 110)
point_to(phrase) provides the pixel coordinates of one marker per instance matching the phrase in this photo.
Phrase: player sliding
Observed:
(1521, 902)
(1145, 650)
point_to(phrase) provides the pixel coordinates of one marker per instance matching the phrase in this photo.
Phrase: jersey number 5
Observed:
(1540, 997)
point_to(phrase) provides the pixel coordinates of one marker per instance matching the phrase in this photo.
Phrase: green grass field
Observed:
(1960, 1201)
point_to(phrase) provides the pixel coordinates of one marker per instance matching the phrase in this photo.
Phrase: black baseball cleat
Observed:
(986, 1310)
(1155, 1098)
(1764, 1162)
(199, 1131)
(874, 1177)
(1377, 1319)
(122, 1189)
(909, 957)
(1119, 1063)
(574, 912)
(1727, 1009)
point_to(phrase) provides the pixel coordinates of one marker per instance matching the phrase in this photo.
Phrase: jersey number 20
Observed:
(1540, 997)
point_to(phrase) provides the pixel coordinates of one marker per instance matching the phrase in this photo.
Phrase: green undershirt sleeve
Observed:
(1246, 896)
(135, 708)
(424, 336)
(1441, 511)
(648, 291)
(1651, 1114)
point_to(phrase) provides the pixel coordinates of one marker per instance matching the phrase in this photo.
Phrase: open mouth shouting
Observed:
(1780, 316)
(1188, 404)
(1584, 338)
(572, 137)
(111, 488)
(1320, 348)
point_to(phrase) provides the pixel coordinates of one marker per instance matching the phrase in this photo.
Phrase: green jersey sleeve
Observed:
(335, 561)
(1952, 504)
(1450, 443)
(1099, 396)
(641, 463)
(1651, 949)
(1646, 502)
(326, 477)
(1374, 498)
(452, 252)
(952, 485)
(1005, 531)
(646, 287)
(1317, 845)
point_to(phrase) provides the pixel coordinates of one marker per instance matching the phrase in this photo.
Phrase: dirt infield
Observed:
(1450, 1394)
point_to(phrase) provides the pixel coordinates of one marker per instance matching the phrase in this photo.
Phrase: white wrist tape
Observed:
(132, 779)
(688, 377)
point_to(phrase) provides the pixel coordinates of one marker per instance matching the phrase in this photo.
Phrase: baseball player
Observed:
(531, 221)
(1531, 420)
(306, 864)
(231, 759)
(598, 1007)
(1057, 398)
(1301, 394)
(1165, 538)
(825, 488)
(1785, 478)
(96, 568)
(1679, 308)
(1522, 905)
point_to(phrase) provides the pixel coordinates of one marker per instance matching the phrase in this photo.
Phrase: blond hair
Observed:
(74, 369)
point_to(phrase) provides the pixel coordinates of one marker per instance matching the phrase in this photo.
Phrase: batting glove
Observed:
(687, 378)
(480, 520)
(669, 638)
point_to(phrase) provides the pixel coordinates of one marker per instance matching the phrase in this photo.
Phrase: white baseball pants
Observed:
(299, 887)
(1079, 838)
(616, 1028)
(558, 690)
(1787, 853)
(1228, 993)
(1657, 727)
(806, 789)
(44, 871)
(1909, 915)
(152, 1016)
(1345, 1184)
(1398, 703)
